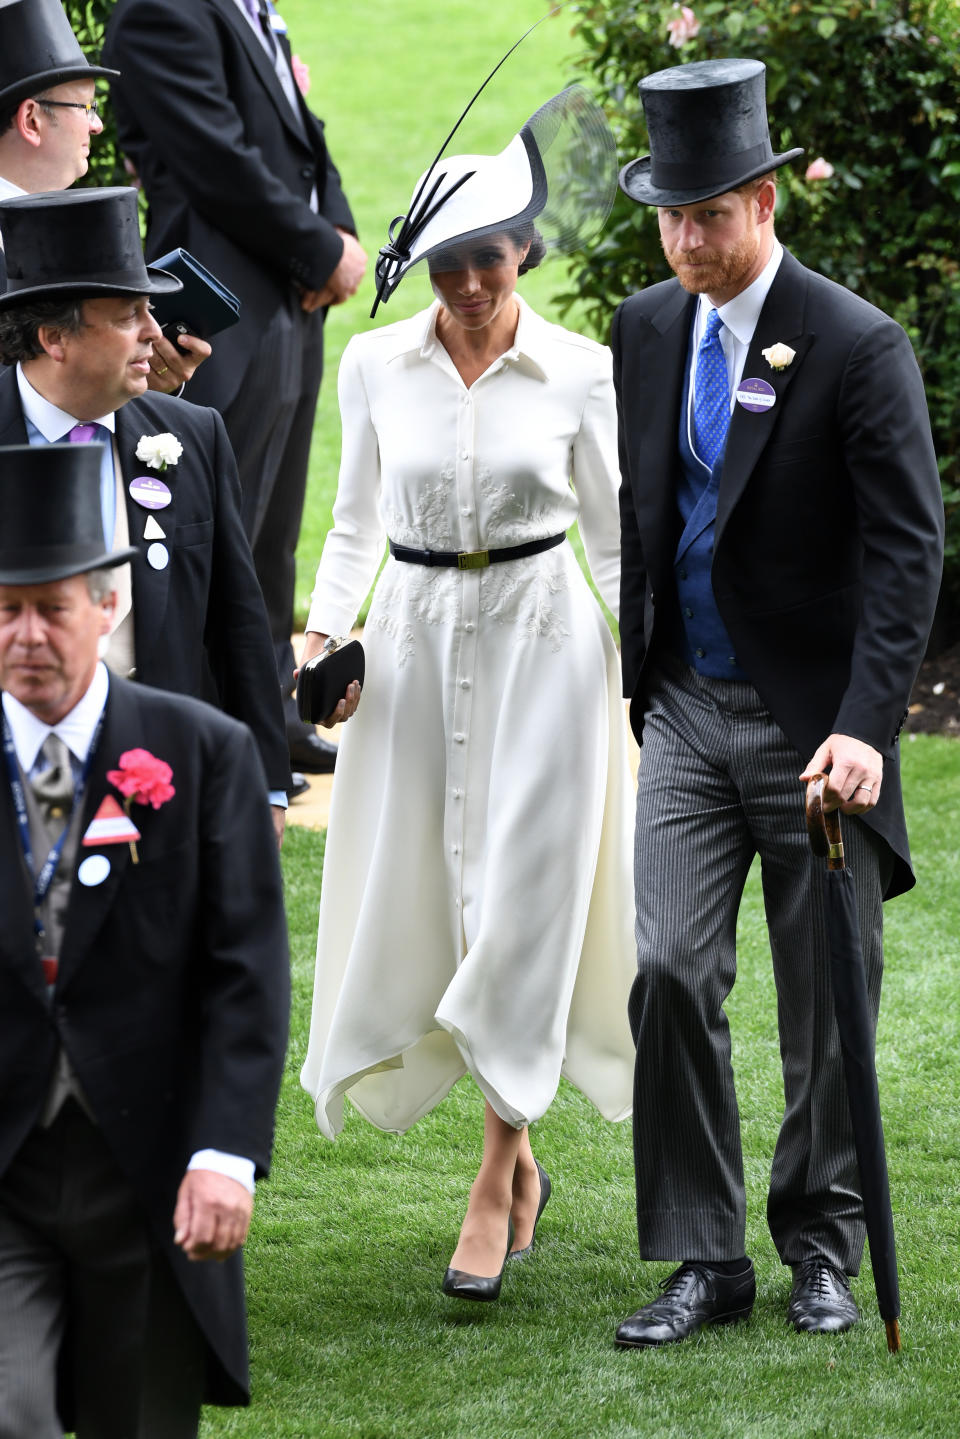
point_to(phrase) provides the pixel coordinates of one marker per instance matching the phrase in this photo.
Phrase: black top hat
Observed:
(50, 501)
(76, 243)
(707, 124)
(38, 49)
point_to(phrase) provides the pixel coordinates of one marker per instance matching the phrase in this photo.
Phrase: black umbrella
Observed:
(857, 1044)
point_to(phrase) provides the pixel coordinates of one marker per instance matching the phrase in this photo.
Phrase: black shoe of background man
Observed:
(298, 786)
(693, 1295)
(820, 1300)
(314, 755)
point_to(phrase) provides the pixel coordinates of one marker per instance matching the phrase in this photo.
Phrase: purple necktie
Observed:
(258, 14)
(82, 434)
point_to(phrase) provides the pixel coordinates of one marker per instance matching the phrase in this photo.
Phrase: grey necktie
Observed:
(52, 781)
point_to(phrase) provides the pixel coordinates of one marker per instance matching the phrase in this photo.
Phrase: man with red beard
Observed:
(782, 543)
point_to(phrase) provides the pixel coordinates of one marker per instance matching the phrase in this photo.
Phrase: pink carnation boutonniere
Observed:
(142, 779)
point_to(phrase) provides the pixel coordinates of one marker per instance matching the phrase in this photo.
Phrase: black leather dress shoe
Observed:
(820, 1300)
(485, 1287)
(311, 753)
(693, 1295)
(298, 785)
(545, 1188)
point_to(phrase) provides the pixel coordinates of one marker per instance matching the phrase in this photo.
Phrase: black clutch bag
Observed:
(322, 681)
(203, 307)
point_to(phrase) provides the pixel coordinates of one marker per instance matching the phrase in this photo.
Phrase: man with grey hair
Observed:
(143, 999)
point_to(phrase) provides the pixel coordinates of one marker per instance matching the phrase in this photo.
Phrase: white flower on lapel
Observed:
(159, 451)
(777, 356)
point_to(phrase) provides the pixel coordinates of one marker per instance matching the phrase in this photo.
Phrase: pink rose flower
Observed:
(301, 73)
(683, 27)
(819, 169)
(143, 778)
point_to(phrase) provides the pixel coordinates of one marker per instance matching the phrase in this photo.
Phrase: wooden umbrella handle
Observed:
(823, 829)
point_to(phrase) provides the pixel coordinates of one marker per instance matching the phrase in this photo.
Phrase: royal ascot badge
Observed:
(150, 494)
(159, 451)
(756, 396)
(110, 826)
(778, 356)
(142, 779)
(158, 556)
(152, 531)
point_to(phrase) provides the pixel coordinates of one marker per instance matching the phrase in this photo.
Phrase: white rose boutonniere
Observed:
(159, 451)
(778, 356)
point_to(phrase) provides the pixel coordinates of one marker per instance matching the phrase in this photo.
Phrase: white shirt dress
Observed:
(477, 907)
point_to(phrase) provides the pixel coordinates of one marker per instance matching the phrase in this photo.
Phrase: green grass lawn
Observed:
(390, 80)
(352, 1338)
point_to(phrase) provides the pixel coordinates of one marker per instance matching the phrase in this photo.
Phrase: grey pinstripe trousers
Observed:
(717, 785)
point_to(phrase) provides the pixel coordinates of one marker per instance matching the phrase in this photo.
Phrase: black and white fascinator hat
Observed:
(560, 171)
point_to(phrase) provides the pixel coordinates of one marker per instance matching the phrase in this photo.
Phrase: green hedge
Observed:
(872, 86)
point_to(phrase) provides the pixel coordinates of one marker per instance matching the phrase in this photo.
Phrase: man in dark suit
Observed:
(782, 543)
(191, 614)
(236, 170)
(48, 119)
(143, 999)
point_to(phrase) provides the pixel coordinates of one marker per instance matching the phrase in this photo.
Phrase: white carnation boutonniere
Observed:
(778, 356)
(159, 451)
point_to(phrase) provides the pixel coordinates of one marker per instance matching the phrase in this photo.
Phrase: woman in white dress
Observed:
(476, 912)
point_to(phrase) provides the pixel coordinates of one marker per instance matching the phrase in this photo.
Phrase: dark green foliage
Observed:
(89, 20)
(873, 86)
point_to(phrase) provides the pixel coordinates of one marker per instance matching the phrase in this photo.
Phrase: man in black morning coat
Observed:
(194, 620)
(782, 544)
(143, 999)
(236, 170)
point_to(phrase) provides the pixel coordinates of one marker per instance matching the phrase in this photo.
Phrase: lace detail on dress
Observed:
(510, 519)
(429, 527)
(518, 593)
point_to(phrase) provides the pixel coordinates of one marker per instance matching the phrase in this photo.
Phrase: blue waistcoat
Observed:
(701, 635)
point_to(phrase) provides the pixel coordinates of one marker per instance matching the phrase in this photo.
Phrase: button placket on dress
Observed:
(455, 819)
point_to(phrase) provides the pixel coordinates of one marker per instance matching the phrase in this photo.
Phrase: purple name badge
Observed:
(756, 395)
(149, 492)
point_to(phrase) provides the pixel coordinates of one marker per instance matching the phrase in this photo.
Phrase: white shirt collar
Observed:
(530, 342)
(75, 729)
(740, 315)
(53, 423)
(8, 190)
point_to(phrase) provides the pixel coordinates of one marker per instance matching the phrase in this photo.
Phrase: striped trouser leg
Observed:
(717, 784)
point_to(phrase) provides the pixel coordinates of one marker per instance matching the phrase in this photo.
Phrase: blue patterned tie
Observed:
(711, 394)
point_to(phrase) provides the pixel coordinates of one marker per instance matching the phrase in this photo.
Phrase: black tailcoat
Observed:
(203, 615)
(829, 529)
(173, 988)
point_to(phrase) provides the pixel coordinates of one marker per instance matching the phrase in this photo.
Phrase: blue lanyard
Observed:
(44, 879)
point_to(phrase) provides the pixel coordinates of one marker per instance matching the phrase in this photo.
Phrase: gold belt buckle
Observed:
(473, 559)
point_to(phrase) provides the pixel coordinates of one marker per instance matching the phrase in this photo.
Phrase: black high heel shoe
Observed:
(461, 1285)
(545, 1188)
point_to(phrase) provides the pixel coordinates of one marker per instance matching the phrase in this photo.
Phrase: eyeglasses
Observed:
(89, 107)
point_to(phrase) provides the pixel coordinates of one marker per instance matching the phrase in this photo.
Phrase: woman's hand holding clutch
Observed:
(314, 645)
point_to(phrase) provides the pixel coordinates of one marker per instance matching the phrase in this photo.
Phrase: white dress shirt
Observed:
(76, 729)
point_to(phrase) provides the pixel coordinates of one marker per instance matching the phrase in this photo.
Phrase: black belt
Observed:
(473, 559)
